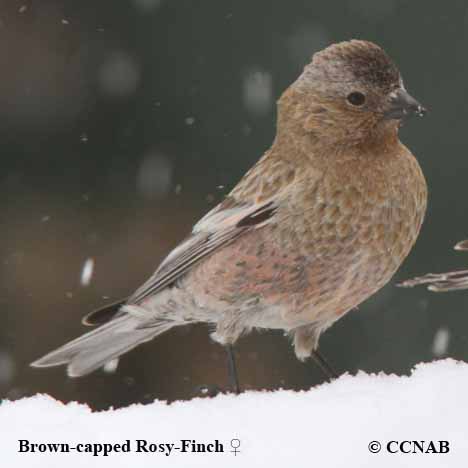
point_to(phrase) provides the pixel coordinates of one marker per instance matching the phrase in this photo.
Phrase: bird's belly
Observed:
(250, 274)
(272, 286)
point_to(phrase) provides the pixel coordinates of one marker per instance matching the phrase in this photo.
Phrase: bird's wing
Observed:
(218, 228)
(103, 314)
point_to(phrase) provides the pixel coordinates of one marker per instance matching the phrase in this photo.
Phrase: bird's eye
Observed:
(356, 98)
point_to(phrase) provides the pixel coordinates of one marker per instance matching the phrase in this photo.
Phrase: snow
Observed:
(87, 272)
(332, 425)
(441, 342)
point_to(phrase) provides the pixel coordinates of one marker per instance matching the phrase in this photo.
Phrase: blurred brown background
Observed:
(123, 121)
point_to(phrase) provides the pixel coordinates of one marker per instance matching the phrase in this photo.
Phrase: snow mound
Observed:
(334, 425)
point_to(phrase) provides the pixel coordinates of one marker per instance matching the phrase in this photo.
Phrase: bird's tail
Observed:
(94, 349)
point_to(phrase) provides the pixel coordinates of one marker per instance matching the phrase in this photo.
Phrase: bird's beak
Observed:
(402, 104)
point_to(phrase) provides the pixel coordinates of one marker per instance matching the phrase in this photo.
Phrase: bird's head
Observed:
(349, 91)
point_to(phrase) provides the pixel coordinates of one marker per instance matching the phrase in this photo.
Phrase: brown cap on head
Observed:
(358, 61)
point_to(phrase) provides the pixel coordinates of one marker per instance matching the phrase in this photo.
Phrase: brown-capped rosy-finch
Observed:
(320, 223)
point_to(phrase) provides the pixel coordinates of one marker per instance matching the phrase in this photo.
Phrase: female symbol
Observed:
(235, 444)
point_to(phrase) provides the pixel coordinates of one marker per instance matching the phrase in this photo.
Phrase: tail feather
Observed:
(92, 350)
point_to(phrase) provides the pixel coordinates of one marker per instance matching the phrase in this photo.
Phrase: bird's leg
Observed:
(232, 370)
(306, 340)
(324, 366)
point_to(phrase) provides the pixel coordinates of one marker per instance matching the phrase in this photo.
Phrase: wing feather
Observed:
(217, 229)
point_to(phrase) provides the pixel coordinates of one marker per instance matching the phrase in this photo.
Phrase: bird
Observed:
(320, 223)
(442, 282)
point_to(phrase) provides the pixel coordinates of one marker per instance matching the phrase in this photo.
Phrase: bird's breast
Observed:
(355, 231)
